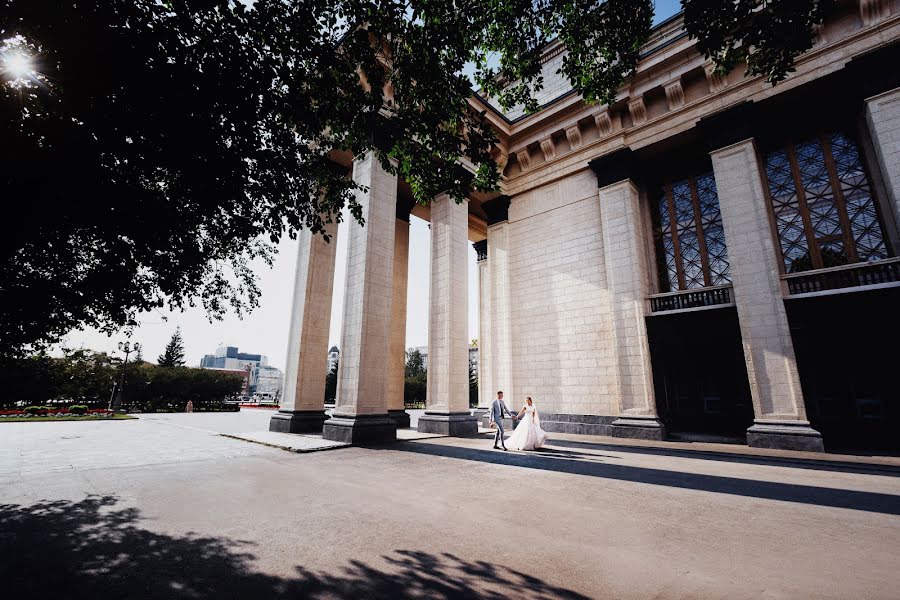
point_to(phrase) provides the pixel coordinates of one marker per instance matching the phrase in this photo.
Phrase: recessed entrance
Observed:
(699, 373)
(848, 359)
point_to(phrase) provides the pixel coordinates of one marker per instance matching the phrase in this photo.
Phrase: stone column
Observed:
(883, 119)
(628, 278)
(499, 317)
(447, 398)
(768, 349)
(397, 357)
(485, 352)
(360, 414)
(302, 406)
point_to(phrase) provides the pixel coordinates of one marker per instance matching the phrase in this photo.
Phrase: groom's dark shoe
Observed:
(505, 449)
(496, 447)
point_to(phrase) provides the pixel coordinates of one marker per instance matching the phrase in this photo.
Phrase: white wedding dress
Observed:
(528, 434)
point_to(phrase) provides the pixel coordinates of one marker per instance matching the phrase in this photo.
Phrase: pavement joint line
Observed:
(286, 448)
(164, 422)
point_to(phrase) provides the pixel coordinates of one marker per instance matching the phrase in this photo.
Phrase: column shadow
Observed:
(94, 549)
(786, 492)
(770, 461)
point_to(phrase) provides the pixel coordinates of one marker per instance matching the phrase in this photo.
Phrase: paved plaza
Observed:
(165, 507)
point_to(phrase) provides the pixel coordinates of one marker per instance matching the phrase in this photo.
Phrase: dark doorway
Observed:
(699, 372)
(848, 354)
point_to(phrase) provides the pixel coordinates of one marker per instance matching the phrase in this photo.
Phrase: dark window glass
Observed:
(690, 241)
(823, 207)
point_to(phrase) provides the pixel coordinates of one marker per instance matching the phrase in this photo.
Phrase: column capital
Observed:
(482, 249)
(497, 209)
(404, 207)
(729, 126)
(615, 167)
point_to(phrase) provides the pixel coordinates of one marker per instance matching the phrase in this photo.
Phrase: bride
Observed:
(528, 434)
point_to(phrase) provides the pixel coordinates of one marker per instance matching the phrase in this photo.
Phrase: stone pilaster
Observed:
(360, 414)
(397, 358)
(302, 405)
(883, 119)
(485, 350)
(768, 349)
(447, 399)
(628, 278)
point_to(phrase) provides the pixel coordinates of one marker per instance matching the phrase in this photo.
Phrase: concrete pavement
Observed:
(165, 507)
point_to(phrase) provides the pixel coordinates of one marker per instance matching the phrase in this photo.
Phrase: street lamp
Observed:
(115, 402)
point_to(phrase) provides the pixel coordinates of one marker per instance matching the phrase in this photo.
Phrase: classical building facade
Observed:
(708, 254)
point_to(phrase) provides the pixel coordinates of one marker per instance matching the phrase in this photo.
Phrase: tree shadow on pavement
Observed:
(94, 549)
(770, 490)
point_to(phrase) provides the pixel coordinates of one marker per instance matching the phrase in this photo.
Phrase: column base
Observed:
(508, 423)
(480, 412)
(297, 421)
(452, 424)
(784, 435)
(642, 427)
(360, 429)
(400, 417)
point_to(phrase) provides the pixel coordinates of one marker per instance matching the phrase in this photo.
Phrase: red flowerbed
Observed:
(55, 411)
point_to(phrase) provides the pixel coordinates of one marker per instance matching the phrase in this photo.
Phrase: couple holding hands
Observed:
(527, 435)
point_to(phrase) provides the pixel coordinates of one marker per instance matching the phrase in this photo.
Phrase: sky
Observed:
(265, 330)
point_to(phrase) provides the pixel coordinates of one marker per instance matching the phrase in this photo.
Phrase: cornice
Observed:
(828, 58)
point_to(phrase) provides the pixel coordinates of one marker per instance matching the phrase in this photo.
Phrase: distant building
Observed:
(266, 383)
(228, 357)
(260, 380)
(333, 355)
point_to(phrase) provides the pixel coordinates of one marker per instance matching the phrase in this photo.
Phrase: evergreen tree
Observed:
(415, 363)
(174, 354)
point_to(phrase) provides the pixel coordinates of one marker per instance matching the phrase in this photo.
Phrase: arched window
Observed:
(822, 203)
(690, 242)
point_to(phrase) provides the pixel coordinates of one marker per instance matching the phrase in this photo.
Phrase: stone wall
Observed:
(560, 307)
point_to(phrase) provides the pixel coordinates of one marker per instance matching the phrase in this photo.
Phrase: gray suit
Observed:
(498, 408)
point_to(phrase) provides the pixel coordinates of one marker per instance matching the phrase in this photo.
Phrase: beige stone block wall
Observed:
(398, 316)
(768, 348)
(307, 353)
(883, 119)
(628, 280)
(448, 327)
(364, 367)
(559, 312)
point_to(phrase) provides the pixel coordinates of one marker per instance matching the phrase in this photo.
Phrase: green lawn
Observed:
(116, 417)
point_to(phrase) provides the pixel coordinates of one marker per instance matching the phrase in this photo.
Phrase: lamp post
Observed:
(116, 400)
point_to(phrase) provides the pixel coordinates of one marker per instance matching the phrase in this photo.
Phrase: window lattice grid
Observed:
(865, 228)
(691, 248)
(822, 203)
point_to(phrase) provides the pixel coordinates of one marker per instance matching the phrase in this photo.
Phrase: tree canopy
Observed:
(154, 148)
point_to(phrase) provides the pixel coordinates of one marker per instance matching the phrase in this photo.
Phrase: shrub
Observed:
(77, 409)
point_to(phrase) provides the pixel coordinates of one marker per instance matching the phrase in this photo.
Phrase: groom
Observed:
(498, 408)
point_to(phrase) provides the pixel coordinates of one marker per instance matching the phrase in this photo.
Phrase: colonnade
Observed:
(370, 387)
(369, 403)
